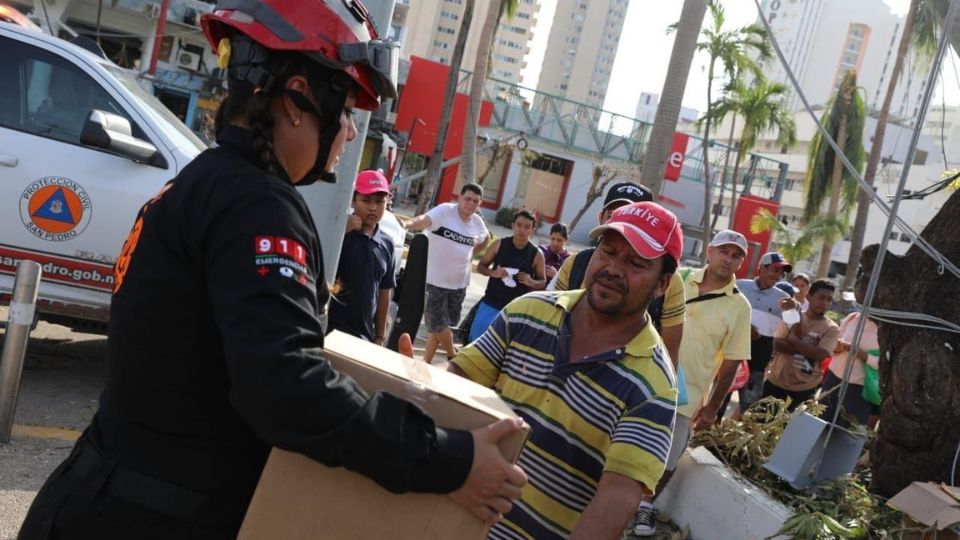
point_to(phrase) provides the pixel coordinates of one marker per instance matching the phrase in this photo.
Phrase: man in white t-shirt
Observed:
(456, 231)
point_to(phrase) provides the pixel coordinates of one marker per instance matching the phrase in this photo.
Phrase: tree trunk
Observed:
(707, 195)
(733, 185)
(836, 177)
(873, 161)
(723, 177)
(432, 180)
(468, 166)
(597, 186)
(665, 122)
(919, 369)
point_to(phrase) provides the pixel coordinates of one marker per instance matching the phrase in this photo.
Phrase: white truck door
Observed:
(65, 205)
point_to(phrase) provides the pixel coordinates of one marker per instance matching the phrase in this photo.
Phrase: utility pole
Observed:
(330, 203)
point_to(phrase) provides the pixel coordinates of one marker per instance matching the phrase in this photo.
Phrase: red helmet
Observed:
(335, 33)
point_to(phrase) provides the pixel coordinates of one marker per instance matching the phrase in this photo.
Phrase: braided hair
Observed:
(251, 103)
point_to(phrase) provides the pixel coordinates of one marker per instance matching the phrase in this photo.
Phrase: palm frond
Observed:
(509, 7)
(817, 181)
(923, 36)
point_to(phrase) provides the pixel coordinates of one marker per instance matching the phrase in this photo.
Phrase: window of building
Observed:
(550, 164)
(563, 86)
(523, 15)
(449, 15)
(441, 44)
(445, 30)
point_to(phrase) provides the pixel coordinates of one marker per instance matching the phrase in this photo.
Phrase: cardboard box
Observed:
(926, 504)
(301, 498)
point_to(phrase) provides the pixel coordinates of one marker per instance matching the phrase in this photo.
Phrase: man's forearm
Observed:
(611, 509)
(781, 345)
(380, 318)
(416, 224)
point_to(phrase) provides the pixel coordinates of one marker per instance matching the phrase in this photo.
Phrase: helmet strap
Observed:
(332, 104)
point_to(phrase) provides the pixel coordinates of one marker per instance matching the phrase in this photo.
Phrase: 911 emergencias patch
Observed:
(287, 255)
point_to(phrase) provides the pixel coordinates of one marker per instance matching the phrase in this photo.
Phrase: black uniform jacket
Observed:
(216, 349)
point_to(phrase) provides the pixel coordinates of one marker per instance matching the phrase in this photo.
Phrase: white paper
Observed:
(509, 281)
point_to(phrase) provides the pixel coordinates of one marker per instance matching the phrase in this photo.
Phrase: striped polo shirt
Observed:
(610, 412)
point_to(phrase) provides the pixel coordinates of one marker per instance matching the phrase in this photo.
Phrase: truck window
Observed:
(45, 95)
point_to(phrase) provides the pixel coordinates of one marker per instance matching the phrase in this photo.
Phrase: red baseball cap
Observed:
(370, 182)
(651, 229)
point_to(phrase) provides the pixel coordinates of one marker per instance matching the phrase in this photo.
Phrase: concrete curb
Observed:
(715, 504)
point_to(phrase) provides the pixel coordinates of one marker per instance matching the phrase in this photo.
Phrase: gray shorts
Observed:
(443, 307)
(681, 437)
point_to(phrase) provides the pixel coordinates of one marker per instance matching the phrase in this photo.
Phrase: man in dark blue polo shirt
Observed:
(365, 276)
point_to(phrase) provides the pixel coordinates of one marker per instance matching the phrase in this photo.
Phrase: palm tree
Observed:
(497, 9)
(762, 108)
(920, 29)
(731, 48)
(665, 122)
(797, 246)
(826, 178)
(436, 159)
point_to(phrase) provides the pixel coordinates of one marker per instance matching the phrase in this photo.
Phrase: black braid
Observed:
(261, 123)
(244, 101)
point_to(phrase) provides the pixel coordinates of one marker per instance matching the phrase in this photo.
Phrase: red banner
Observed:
(418, 115)
(678, 152)
(74, 272)
(747, 207)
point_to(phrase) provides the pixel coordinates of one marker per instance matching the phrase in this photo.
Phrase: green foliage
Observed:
(923, 36)
(840, 508)
(508, 8)
(798, 246)
(733, 48)
(818, 181)
(762, 107)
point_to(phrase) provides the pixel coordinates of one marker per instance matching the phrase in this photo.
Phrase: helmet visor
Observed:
(383, 59)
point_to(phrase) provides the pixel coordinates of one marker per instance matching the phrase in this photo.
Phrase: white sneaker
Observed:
(645, 524)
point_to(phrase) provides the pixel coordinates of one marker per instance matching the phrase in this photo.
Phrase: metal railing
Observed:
(604, 134)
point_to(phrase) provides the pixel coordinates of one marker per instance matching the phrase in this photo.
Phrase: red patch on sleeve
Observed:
(263, 245)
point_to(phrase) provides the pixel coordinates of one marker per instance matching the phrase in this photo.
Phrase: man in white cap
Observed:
(716, 339)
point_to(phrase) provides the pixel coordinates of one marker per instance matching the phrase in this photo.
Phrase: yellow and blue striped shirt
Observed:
(612, 412)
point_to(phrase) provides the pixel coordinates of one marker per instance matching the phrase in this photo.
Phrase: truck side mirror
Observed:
(113, 132)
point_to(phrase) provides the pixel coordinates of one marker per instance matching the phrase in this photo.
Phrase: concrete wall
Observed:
(715, 504)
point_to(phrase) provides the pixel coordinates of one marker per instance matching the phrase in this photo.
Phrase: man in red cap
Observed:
(588, 372)
(365, 276)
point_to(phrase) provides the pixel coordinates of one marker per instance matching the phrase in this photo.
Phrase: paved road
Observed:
(62, 378)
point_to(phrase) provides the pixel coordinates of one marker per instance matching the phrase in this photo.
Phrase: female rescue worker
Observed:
(215, 346)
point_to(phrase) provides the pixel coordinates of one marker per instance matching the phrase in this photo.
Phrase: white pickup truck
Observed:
(82, 146)
(67, 201)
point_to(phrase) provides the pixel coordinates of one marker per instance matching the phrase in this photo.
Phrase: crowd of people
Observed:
(613, 356)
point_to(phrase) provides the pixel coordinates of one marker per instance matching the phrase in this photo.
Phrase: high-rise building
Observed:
(581, 48)
(430, 28)
(823, 39)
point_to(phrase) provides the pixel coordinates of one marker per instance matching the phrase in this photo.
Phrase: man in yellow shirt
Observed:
(716, 339)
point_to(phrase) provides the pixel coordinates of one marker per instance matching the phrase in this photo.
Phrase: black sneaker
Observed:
(645, 524)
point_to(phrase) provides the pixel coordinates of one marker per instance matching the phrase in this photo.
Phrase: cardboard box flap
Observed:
(928, 504)
(953, 491)
(431, 378)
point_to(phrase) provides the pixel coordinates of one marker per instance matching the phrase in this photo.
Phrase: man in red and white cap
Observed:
(588, 372)
(365, 276)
